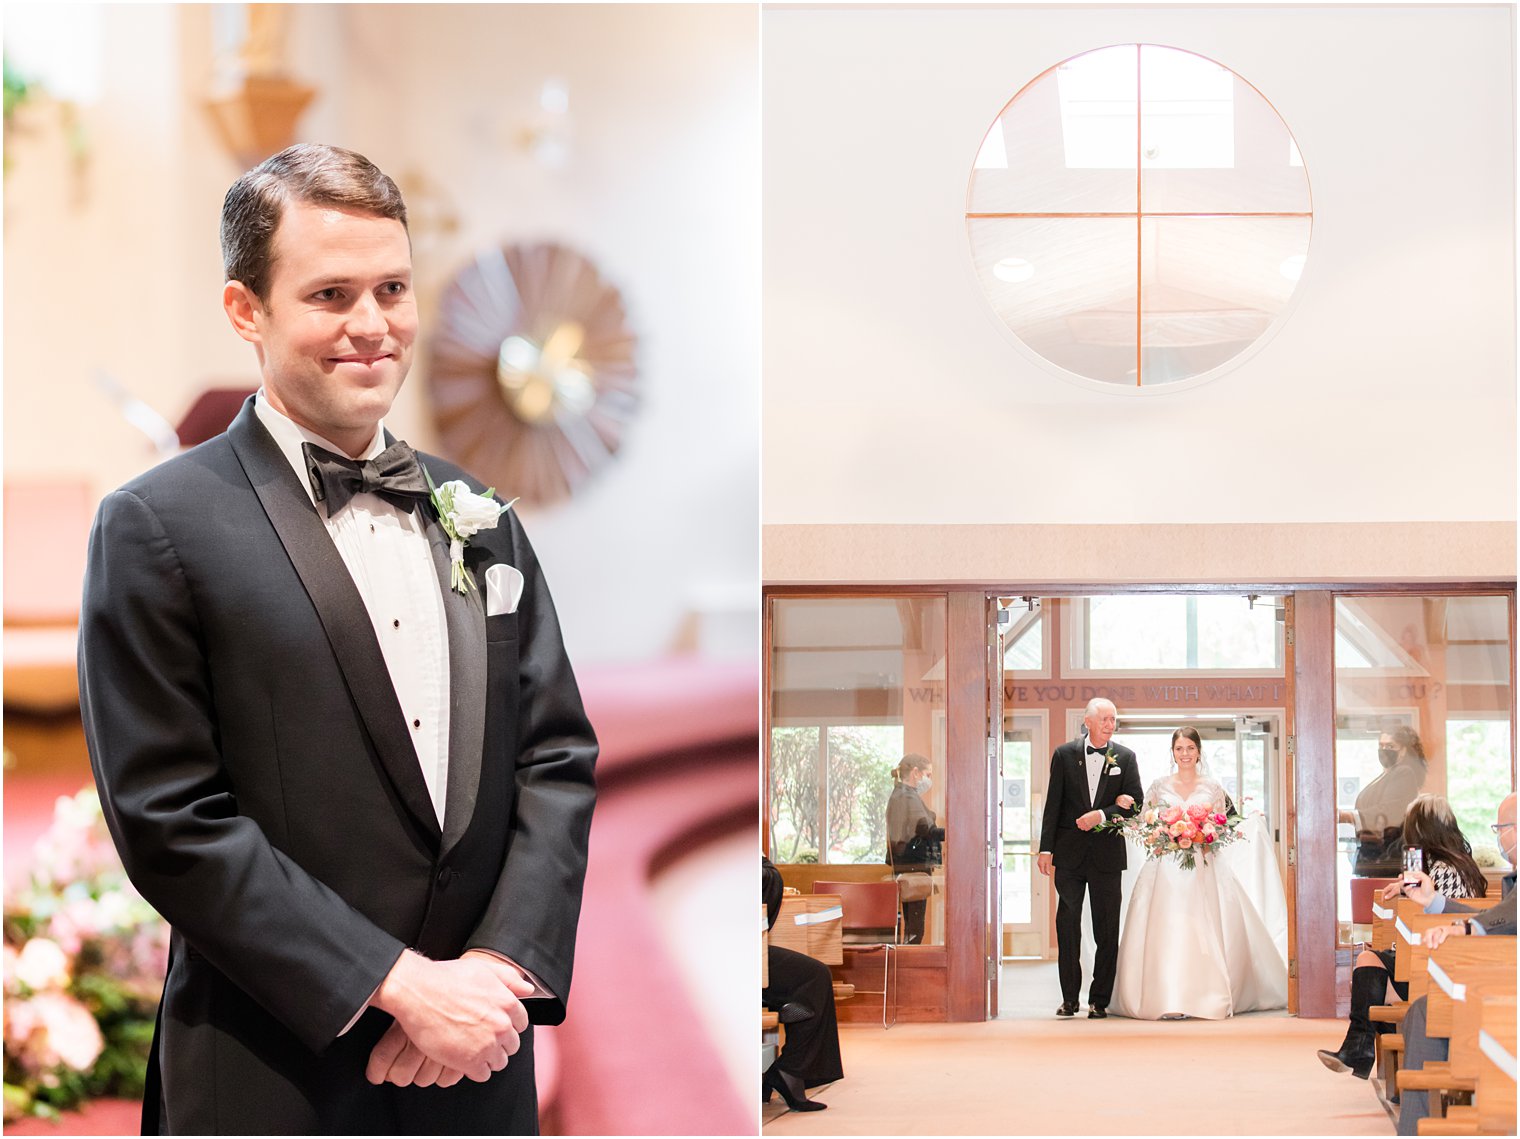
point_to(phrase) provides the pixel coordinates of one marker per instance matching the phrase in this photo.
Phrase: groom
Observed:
(1092, 780)
(360, 797)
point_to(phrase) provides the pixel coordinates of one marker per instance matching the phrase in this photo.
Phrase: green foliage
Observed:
(17, 89)
(861, 760)
(857, 780)
(794, 795)
(1477, 774)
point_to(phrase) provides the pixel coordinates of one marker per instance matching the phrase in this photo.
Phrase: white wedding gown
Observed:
(1209, 942)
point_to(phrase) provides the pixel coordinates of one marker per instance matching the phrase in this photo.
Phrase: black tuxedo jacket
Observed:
(1066, 800)
(260, 782)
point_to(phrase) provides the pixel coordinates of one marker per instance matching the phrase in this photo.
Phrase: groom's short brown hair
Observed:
(307, 172)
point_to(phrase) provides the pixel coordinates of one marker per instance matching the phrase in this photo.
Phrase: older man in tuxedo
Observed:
(1092, 780)
(337, 738)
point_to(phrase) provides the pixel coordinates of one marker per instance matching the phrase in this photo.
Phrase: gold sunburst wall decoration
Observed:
(531, 370)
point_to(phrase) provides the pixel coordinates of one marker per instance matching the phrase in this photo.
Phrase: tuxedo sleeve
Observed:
(1054, 790)
(533, 911)
(1130, 786)
(145, 694)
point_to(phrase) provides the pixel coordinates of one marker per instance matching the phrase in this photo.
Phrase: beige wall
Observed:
(896, 407)
(1161, 553)
(115, 265)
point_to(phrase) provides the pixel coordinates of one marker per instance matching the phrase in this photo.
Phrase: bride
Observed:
(1197, 942)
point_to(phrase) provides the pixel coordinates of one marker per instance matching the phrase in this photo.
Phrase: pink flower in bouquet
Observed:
(77, 846)
(1219, 818)
(1208, 836)
(1209, 831)
(52, 1029)
(1171, 815)
(1197, 812)
(1150, 817)
(76, 922)
(1177, 829)
(42, 964)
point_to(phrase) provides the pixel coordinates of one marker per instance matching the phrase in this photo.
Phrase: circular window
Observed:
(1138, 216)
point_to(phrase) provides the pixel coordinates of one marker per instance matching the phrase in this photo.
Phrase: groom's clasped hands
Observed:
(454, 1020)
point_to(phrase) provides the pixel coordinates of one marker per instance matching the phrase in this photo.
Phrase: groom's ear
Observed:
(243, 310)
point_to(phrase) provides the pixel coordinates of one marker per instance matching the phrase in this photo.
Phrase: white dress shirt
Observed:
(1095, 765)
(387, 552)
(390, 559)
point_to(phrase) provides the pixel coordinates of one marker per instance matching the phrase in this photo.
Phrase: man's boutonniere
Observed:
(1112, 760)
(463, 514)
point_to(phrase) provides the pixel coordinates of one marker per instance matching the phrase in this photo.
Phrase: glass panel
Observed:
(1253, 775)
(1219, 763)
(1066, 144)
(1026, 641)
(1422, 705)
(1153, 752)
(1065, 286)
(1234, 633)
(1211, 287)
(1211, 143)
(1018, 754)
(1173, 631)
(861, 761)
(857, 684)
(1137, 632)
(795, 813)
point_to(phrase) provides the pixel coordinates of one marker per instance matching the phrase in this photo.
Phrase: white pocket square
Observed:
(504, 586)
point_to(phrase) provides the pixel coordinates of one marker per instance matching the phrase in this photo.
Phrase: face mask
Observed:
(923, 785)
(1388, 756)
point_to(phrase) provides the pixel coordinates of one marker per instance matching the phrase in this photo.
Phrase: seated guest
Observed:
(801, 994)
(1429, 825)
(1499, 920)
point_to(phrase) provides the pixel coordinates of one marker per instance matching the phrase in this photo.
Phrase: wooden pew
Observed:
(1410, 955)
(1382, 924)
(1496, 1070)
(1459, 972)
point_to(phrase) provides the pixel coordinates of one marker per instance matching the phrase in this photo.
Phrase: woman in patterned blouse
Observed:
(1429, 825)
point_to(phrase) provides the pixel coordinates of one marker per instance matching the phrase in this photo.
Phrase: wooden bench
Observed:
(1496, 1068)
(1409, 957)
(1459, 972)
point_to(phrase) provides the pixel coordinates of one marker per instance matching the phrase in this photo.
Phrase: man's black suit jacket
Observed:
(260, 783)
(1067, 799)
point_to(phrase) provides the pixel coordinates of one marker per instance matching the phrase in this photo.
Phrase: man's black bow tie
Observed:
(394, 474)
(1096, 750)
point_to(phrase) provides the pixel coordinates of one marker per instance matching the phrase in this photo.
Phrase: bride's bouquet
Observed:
(1184, 831)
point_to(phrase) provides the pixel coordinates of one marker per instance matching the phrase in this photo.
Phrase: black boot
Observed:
(1369, 986)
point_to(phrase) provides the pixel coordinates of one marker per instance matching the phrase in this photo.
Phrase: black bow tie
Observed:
(1096, 750)
(394, 474)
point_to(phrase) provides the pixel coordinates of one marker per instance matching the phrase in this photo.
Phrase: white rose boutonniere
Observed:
(464, 514)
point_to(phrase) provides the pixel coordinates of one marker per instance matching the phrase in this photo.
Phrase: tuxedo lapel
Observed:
(1082, 796)
(467, 690)
(339, 607)
(1102, 779)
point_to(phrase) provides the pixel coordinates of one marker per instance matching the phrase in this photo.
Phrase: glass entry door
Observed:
(1026, 761)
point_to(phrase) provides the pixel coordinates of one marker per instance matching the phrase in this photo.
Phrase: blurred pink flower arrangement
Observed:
(85, 957)
(1185, 832)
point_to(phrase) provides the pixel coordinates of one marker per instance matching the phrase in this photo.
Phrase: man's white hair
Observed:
(1096, 703)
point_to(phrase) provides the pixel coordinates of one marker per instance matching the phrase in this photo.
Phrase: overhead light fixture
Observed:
(1013, 270)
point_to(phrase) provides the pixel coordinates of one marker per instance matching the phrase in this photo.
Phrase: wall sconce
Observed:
(257, 113)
